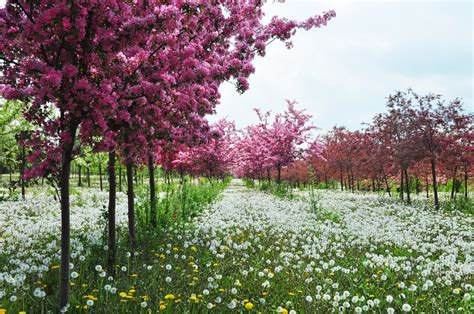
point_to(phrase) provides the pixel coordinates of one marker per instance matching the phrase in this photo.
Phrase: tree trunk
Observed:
(386, 183)
(22, 171)
(131, 205)
(100, 175)
(65, 221)
(427, 187)
(88, 177)
(351, 180)
(111, 214)
(401, 184)
(407, 185)
(268, 175)
(465, 183)
(10, 173)
(279, 174)
(454, 182)
(435, 187)
(151, 171)
(181, 177)
(79, 183)
(120, 178)
(342, 180)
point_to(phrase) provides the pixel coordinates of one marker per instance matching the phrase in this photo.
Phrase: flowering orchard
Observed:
(125, 199)
(127, 78)
(421, 144)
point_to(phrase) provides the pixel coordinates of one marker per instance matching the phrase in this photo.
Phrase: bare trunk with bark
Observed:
(131, 204)
(111, 214)
(151, 170)
(100, 177)
(407, 185)
(435, 187)
(65, 220)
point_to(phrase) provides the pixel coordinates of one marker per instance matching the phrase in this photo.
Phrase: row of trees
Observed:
(419, 140)
(270, 146)
(133, 79)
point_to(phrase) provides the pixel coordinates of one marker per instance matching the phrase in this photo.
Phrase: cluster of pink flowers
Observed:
(271, 146)
(148, 72)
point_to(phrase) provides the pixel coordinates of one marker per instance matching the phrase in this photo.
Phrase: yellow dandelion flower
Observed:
(193, 248)
(22, 312)
(193, 298)
(55, 267)
(249, 305)
(132, 291)
(291, 293)
(123, 294)
(162, 256)
(3, 311)
(135, 275)
(264, 293)
(177, 301)
(169, 296)
(284, 311)
(162, 307)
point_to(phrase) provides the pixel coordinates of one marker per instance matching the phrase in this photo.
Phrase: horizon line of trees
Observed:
(417, 142)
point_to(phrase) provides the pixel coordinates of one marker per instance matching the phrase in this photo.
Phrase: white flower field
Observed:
(250, 250)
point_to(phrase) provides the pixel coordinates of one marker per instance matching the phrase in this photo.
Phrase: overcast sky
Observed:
(343, 72)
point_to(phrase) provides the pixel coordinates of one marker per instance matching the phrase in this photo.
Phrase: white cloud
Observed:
(343, 72)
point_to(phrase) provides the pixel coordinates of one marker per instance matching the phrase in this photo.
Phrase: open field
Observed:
(248, 251)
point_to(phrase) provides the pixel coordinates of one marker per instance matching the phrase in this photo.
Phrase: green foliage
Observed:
(9, 195)
(282, 190)
(12, 123)
(177, 203)
(314, 199)
(460, 204)
(249, 183)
